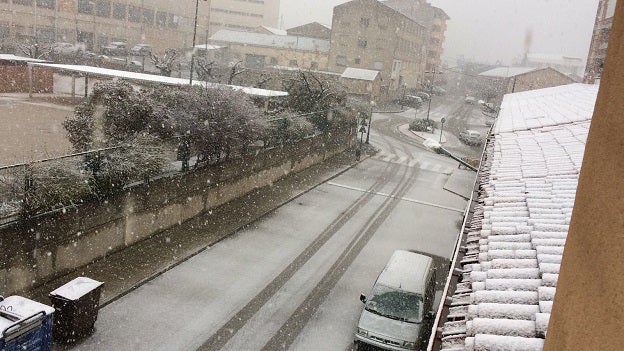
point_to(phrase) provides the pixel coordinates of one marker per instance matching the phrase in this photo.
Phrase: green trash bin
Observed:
(76, 307)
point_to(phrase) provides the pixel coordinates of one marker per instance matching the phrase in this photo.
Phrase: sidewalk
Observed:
(125, 270)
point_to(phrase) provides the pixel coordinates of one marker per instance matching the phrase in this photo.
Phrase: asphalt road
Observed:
(292, 280)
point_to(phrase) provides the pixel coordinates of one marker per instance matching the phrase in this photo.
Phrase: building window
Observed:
(341, 60)
(134, 14)
(174, 21)
(103, 8)
(148, 17)
(23, 2)
(292, 63)
(4, 30)
(119, 11)
(85, 6)
(364, 22)
(362, 42)
(161, 19)
(46, 34)
(273, 60)
(357, 61)
(314, 65)
(47, 4)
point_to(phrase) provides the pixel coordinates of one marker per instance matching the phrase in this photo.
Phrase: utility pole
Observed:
(433, 72)
(193, 47)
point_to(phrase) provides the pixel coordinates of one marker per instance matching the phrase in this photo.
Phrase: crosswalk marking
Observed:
(413, 162)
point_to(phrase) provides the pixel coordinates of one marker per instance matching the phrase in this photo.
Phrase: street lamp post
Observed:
(194, 37)
(370, 120)
(433, 72)
(442, 128)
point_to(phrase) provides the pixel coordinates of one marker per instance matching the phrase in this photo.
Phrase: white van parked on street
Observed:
(399, 310)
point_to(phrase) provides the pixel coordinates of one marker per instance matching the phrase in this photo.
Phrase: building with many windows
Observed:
(368, 34)
(95, 23)
(433, 18)
(599, 41)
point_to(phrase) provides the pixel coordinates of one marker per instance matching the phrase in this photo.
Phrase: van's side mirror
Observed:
(430, 315)
(363, 298)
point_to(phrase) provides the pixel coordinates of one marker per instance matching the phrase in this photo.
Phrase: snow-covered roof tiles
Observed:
(359, 73)
(276, 41)
(514, 243)
(507, 72)
(546, 107)
(98, 71)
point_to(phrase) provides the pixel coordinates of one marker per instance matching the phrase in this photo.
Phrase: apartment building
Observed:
(243, 15)
(599, 41)
(161, 23)
(368, 34)
(433, 18)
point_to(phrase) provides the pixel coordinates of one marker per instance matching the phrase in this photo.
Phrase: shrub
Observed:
(55, 186)
(423, 125)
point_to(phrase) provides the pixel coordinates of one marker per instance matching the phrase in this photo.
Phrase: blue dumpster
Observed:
(25, 325)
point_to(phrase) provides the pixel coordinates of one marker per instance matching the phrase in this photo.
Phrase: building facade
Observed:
(434, 19)
(259, 51)
(243, 15)
(370, 35)
(599, 41)
(95, 23)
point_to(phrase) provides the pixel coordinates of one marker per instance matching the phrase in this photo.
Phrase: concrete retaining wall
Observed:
(35, 252)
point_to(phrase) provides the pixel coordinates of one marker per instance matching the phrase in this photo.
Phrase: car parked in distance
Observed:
(438, 91)
(470, 137)
(115, 48)
(141, 50)
(471, 100)
(424, 96)
(64, 48)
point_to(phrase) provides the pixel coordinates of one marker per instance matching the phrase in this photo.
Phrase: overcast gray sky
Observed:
(489, 30)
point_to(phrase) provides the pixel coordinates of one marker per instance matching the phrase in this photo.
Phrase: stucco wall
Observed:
(53, 245)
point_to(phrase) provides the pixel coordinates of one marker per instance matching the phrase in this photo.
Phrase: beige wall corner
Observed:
(588, 310)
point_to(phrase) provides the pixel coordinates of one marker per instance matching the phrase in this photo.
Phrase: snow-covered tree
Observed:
(309, 94)
(166, 62)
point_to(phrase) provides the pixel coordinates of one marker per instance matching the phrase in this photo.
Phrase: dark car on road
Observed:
(116, 48)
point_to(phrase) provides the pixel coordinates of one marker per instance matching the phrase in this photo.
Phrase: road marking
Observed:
(401, 198)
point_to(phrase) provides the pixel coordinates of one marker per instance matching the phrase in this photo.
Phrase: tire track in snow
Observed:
(290, 329)
(218, 339)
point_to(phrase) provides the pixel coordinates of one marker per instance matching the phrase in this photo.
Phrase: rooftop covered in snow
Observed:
(513, 245)
(271, 40)
(507, 72)
(152, 78)
(360, 74)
